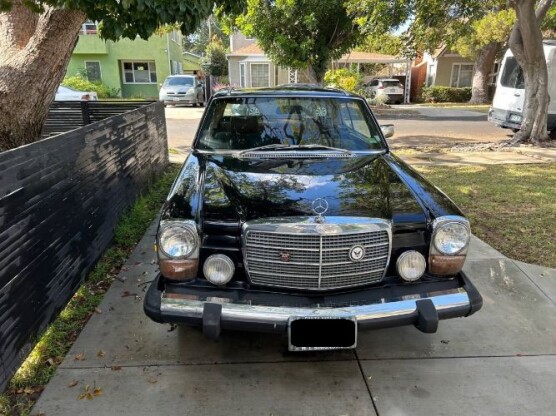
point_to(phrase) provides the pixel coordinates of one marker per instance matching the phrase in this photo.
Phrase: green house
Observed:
(135, 67)
(191, 63)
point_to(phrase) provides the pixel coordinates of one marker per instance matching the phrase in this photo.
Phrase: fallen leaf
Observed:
(50, 362)
(100, 353)
(172, 327)
(97, 391)
(152, 380)
(116, 367)
(79, 357)
(98, 310)
(445, 341)
(73, 383)
(127, 293)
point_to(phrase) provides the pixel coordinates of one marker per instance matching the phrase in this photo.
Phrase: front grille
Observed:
(314, 261)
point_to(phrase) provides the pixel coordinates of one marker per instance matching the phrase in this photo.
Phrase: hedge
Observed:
(79, 83)
(446, 94)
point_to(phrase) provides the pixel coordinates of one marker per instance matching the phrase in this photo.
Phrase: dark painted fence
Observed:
(69, 115)
(60, 199)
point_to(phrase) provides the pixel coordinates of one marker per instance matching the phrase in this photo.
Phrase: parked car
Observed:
(509, 98)
(391, 88)
(291, 215)
(71, 94)
(182, 89)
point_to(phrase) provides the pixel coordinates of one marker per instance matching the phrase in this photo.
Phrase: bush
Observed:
(82, 84)
(378, 100)
(343, 78)
(445, 94)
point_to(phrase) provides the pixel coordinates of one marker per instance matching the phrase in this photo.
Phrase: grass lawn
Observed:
(482, 108)
(50, 349)
(511, 207)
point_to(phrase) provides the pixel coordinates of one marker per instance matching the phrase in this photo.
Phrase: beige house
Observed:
(448, 69)
(249, 67)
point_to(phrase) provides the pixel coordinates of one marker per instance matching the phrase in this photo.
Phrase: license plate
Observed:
(392, 90)
(175, 99)
(515, 117)
(311, 333)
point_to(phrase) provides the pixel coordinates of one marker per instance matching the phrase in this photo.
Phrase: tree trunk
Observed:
(483, 66)
(311, 74)
(34, 53)
(527, 47)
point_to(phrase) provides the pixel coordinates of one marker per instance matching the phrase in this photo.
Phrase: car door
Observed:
(510, 91)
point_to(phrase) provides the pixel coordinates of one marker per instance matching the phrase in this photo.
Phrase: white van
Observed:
(507, 105)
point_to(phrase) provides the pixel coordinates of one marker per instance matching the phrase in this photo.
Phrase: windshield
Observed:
(512, 75)
(185, 81)
(391, 83)
(237, 123)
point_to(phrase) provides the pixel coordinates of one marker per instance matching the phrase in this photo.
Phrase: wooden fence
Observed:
(60, 199)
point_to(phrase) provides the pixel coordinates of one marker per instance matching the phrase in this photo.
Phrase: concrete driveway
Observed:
(501, 361)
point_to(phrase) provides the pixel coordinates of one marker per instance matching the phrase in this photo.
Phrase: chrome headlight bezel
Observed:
(443, 222)
(186, 226)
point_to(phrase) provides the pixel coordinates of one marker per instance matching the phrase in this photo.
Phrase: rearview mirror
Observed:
(387, 130)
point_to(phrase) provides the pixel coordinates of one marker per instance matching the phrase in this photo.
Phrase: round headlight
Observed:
(218, 269)
(411, 265)
(177, 240)
(450, 238)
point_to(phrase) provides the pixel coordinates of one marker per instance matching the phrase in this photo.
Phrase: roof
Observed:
(303, 90)
(252, 49)
(369, 57)
(351, 57)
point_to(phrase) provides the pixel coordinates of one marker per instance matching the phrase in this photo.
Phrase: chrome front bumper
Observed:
(422, 310)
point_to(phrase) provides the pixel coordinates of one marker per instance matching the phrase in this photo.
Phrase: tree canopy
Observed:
(131, 18)
(301, 34)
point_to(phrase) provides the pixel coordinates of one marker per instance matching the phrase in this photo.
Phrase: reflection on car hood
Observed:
(364, 186)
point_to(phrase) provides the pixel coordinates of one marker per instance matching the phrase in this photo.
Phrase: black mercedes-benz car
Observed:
(291, 215)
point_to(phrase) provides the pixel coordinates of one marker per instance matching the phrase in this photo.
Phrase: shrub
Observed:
(378, 100)
(82, 84)
(445, 94)
(343, 78)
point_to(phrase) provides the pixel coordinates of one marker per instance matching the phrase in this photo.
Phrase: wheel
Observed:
(201, 103)
(195, 104)
(515, 130)
(553, 134)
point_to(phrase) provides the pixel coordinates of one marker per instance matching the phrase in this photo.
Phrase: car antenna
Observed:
(230, 89)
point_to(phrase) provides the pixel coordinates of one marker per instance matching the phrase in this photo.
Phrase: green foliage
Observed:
(493, 27)
(384, 43)
(197, 42)
(300, 34)
(446, 94)
(80, 83)
(343, 78)
(215, 62)
(131, 18)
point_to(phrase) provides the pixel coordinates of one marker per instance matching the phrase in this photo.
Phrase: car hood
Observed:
(363, 186)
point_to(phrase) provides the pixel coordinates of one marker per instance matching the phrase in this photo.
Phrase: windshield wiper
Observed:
(282, 146)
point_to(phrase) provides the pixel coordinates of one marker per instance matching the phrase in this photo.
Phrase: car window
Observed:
(179, 81)
(512, 75)
(236, 123)
(391, 83)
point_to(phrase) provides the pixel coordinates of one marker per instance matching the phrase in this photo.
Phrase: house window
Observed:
(242, 75)
(260, 75)
(88, 28)
(93, 71)
(138, 72)
(462, 75)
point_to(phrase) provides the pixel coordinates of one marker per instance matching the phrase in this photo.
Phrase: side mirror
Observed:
(387, 130)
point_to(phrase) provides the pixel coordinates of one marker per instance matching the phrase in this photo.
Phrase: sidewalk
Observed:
(501, 361)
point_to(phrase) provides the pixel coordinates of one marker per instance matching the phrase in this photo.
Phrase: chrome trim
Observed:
(189, 306)
(333, 226)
